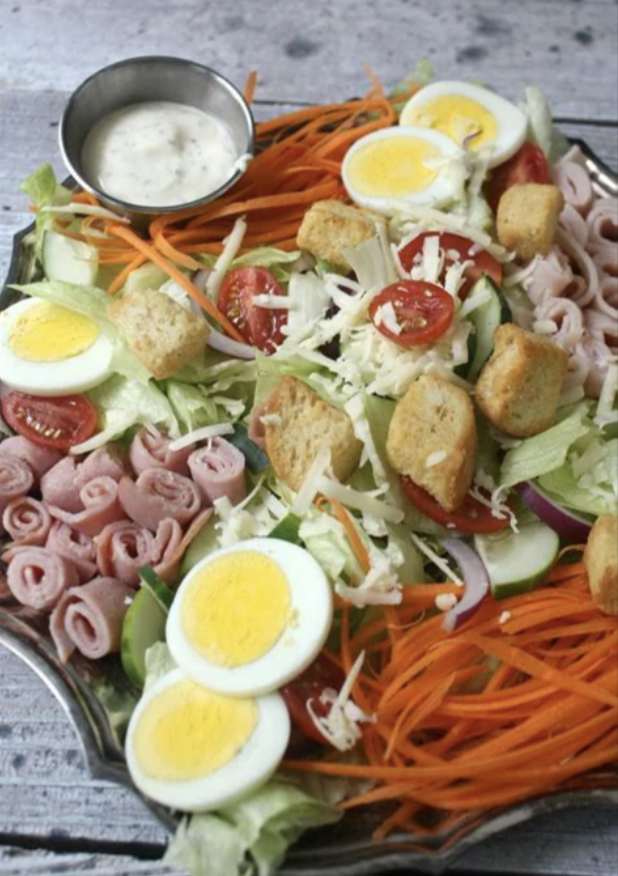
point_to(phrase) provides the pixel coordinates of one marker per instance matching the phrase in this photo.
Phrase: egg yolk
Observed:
(459, 117)
(47, 332)
(392, 167)
(188, 731)
(236, 608)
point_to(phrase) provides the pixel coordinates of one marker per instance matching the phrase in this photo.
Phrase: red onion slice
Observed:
(476, 581)
(230, 347)
(567, 524)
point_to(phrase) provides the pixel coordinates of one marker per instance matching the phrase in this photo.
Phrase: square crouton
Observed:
(301, 425)
(328, 227)
(432, 439)
(162, 333)
(528, 218)
(519, 386)
(601, 561)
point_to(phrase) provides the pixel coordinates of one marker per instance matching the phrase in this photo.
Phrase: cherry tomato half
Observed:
(424, 312)
(472, 517)
(58, 423)
(529, 165)
(455, 245)
(309, 686)
(260, 326)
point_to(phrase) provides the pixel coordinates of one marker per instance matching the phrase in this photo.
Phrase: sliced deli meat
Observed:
(101, 506)
(39, 459)
(149, 450)
(173, 550)
(16, 479)
(58, 487)
(124, 547)
(106, 462)
(27, 521)
(89, 619)
(37, 577)
(75, 546)
(158, 494)
(218, 469)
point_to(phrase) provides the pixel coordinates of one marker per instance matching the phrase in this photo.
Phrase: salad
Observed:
(329, 469)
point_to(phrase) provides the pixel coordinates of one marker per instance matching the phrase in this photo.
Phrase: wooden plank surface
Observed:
(305, 53)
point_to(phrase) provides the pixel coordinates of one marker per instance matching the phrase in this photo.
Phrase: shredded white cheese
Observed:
(232, 244)
(497, 498)
(341, 725)
(272, 302)
(385, 315)
(436, 560)
(310, 487)
(270, 420)
(446, 601)
(332, 489)
(201, 435)
(504, 617)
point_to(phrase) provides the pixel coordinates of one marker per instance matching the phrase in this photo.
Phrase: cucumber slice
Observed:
(515, 562)
(144, 624)
(157, 587)
(147, 277)
(68, 260)
(204, 543)
(486, 320)
(287, 529)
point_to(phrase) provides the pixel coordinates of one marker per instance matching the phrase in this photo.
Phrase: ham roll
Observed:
(219, 470)
(105, 462)
(149, 450)
(27, 521)
(101, 505)
(124, 547)
(16, 480)
(89, 619)
(158, 494)
(58, 487)
(75, 546)
(38, 459)
(173, 550)
(567, 318)
(603, 224)
(572, 178)
(37, 577)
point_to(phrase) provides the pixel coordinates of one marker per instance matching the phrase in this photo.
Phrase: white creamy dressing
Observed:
(159, 154)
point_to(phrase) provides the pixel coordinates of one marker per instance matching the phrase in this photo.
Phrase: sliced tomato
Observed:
(58, 423)
(308, 687)
(422, 310)
(472, 517)
(529, 165)
(260, 326)
(456, 248)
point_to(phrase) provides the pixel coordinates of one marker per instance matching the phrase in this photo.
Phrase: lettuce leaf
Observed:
(276, 260)
(43, 189)
(588, 481)
(541, 128)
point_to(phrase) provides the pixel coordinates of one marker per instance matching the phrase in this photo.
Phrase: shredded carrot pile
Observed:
(519, 702)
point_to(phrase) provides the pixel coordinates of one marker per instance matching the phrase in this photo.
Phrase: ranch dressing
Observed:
(158, 154)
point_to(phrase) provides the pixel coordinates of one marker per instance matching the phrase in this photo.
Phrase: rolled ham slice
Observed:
(568, 319)
(58, 487)
(39, 459)
(158, 494)
(574, 223)
(16, 479)
(586, 292)
(27, 521)
(572, 178)
(106, 462)
(219, 470)
(149, 450)
(123, 548)
(101, 504)
(75, 546)
(603, 224)
(89, 619)
(37, 577)
(171, 555)
(549, 277)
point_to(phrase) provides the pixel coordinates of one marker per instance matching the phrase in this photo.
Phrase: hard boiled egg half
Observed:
(411, 164)
(48, 350)
(469, 115)
(193, 749)
(249, 618)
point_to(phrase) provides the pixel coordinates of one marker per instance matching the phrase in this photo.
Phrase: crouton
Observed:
(601, 561)
(328, 227)
(519, 386)
(432, 439)
(162, 333)
(528, 218)
(300, 423)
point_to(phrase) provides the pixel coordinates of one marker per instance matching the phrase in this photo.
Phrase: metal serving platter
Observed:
(83, 690)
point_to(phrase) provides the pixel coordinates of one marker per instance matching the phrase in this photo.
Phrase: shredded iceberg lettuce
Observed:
(43, 189)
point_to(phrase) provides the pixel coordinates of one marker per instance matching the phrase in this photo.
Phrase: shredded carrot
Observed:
(356, 542)
(486, 716)
(250, 85)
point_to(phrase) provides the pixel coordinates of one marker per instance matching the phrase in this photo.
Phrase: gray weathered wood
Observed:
(309, 53)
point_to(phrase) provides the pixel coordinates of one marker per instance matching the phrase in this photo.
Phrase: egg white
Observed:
(75, 374)
(444, 188)
(511, 121)
(250, 767)
(311, 614)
